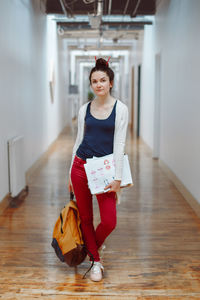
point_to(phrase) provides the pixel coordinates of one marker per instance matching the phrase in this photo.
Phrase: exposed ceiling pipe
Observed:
(126, 6)
(135, 10)
(109, 7)
(100, 8)
(64, 5)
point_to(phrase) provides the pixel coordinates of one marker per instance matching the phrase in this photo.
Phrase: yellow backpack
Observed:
(67, 236)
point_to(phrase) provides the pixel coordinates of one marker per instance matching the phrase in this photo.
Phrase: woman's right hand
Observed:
(70, 186)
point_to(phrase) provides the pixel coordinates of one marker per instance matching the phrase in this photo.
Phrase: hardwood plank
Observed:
(154, 253)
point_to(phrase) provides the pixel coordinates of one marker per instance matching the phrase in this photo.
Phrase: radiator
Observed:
(16, 169)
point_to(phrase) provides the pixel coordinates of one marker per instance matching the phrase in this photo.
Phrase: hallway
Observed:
(153, 253)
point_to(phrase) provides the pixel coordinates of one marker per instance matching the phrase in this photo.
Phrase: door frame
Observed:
(138, 100)
(157, 104)
(132, 99)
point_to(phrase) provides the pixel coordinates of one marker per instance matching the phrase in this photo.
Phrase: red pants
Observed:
(93, 239)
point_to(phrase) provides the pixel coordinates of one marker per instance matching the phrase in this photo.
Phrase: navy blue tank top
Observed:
(99, 135)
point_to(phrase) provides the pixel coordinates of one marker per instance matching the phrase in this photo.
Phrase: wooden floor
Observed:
(154, 253)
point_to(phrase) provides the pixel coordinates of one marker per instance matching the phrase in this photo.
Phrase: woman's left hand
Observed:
(114, 186)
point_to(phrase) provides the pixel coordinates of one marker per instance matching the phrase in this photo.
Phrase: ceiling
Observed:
(132, 8)
(110, 19)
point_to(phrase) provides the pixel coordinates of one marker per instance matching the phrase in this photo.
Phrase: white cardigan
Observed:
(121, 123)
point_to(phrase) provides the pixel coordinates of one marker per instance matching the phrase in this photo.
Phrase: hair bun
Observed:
(100, 62)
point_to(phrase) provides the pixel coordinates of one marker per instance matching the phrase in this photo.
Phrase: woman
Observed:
(102, 125)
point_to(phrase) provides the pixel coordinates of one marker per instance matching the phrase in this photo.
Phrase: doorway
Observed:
(157, 87)
(132, 100)
(138, 97)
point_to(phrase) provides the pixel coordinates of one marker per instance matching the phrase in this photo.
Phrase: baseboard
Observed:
(192, 201)
(43, 158)
(4, 203)
(38, 164)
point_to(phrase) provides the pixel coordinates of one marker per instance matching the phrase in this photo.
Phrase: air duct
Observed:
(95, 20)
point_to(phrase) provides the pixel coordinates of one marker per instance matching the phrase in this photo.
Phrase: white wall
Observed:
(147, 87)
(135, 61)
(176, 34)
(25, 104)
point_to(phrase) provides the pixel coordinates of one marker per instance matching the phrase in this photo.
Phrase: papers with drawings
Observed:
(100, 172)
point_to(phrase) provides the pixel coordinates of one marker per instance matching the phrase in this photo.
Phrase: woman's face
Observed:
(100, 83)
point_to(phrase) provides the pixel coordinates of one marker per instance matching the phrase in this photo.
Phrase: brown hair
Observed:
(102, 65)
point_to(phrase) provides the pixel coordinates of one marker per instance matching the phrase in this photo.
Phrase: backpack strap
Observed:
(61, 217)
(92, 261)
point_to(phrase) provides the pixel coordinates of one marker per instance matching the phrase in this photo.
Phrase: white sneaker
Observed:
(96, 273)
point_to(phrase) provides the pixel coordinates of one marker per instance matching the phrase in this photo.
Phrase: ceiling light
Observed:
(94, 21)
(60, 30)
(88, 1)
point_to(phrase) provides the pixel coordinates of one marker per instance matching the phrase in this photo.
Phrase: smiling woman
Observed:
(102, 125)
